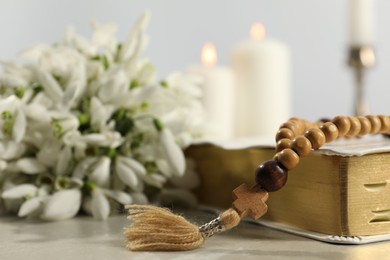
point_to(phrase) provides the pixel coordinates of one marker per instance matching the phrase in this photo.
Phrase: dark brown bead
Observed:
(324, 120)
(271, 175)
(284, 133)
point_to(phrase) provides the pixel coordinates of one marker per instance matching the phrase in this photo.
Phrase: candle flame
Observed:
(257, 32)
(209, 55)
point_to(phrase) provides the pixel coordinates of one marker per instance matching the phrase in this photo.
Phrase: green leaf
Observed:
(134, 84)
(124, 126)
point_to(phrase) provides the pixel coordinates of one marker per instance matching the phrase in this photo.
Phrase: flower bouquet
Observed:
(85, 125)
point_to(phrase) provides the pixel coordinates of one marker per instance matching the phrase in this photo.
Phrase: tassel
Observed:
(158, 229)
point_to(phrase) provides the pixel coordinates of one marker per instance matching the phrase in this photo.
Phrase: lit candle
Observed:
(262, 81)
(217, 98)
(361, 22)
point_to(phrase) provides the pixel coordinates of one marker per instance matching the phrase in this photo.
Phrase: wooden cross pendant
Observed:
(250, 201)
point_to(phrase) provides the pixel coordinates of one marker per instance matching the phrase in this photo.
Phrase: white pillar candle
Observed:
(217, 98)
(262, 84)
(361, 22)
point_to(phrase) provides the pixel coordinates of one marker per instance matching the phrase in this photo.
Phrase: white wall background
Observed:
(315, 30)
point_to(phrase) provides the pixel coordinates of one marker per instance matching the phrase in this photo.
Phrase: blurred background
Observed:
(315, 31)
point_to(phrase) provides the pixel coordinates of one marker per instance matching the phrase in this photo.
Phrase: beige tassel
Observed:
(158, 229)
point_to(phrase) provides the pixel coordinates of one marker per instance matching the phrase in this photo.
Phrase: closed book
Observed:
(343, 189)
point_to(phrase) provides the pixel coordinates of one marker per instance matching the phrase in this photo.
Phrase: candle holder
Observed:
(360, 59)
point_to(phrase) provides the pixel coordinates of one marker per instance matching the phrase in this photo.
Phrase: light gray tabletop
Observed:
(85, 238)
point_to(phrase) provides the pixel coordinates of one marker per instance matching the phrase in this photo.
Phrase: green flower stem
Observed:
(158, 124)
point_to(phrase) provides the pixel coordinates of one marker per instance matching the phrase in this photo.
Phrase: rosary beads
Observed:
(154, 228)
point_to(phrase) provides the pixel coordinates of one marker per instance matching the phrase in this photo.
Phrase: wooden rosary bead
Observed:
(290, 125)
(385, 123)
(301, 145)
(330, 131)
(271, 176)
(375, 124)
(316, 137)
(299, 125)
(288, 158)
(365, 125)
(343, 124)
(283, 144)
(355, 127)
(284, 133)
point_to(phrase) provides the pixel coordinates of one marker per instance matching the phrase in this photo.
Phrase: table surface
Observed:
(86, 238)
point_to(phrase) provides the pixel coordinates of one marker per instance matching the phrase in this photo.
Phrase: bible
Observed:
(343, 189)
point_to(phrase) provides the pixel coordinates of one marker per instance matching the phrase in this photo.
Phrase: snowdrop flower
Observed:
(130, 172)
(139, 198)
(88, 114)
(100, 114)
(30, 165)
(136, 40)
(104, 36)
(98, 205)
(63, 162)
(48, 152)
(10, 150)
(62, 205)
(101, 172)
(13, 119)
(172, 151)
(34, 204)
(78, 42)
(106, 139)
(19, 191)
(11, 81)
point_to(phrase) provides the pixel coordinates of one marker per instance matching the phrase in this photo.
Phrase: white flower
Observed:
(13, 118)
(127, 174)
(99, 114)
(106, 139)
(11, 81)
(64, 159)
(30, 165)
(10, 150)
(101, 172)
(139, 198)
(114, 85)
(173, 152)
(34, 204)
(78, 42)
(136, 40)
(104, 36)
(48, 152)
(19, 191)
(100, 206)
(62, 204)
(51, 86)
(88, 115)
